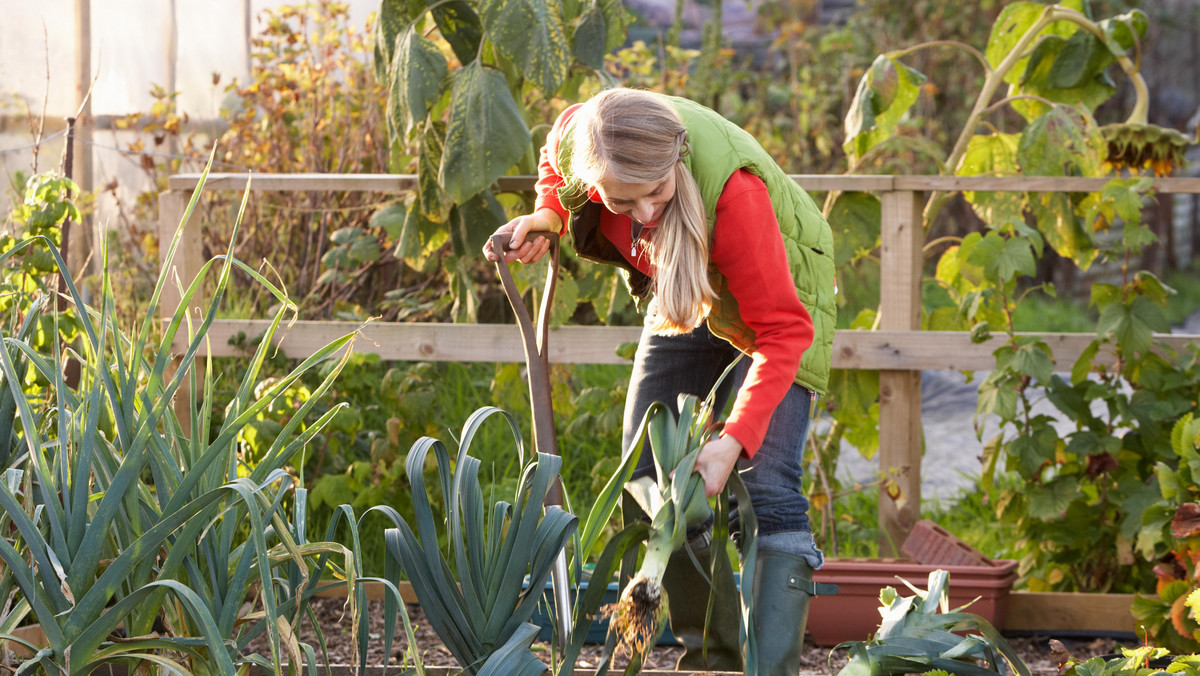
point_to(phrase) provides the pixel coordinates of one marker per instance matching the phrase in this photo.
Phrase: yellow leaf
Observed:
(819, 500)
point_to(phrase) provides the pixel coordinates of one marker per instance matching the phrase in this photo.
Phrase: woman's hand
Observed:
(716, 461)
(518, 229)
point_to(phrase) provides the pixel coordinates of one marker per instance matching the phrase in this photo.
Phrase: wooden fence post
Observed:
(181, 270)
(171, 206)
(900, 391)
(82, 244)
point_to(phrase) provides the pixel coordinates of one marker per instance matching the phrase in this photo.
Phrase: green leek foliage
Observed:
(482, 615)
(917, 636)
(480, 598)
(675, 501)
(132, 535)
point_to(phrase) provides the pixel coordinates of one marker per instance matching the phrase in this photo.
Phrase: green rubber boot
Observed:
(718, 648)
(783, 585)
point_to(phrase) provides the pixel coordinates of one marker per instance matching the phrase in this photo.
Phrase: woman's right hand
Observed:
(521, 247)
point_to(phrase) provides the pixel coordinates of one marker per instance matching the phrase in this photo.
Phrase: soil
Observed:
(1035, 651)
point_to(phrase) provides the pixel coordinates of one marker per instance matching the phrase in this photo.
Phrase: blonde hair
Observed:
(634, 137)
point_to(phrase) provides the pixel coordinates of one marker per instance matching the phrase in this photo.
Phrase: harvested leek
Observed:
(676, 501)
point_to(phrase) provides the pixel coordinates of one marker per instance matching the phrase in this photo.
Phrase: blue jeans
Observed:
(667, 366)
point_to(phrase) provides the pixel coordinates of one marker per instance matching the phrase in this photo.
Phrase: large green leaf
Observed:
(1070, 401)
(590, 38)
(390, 219)
(1078, 61)
(600, 28)
(855, 220)
(955, 270)
(1014, 22)
(530, 34)
(616, 18)
(993, 155)
(393, 17)
(1087, 442)
(997, 396)
(885, 93)
(1051, 499)
(566, 300)
(420, 238)
(1034, 360)
(1133, 325)
(1127, 196)
(473, 221)
(414, 80)
(1124, 32)
(486, 133)
(855, 392)
(1150, 286)
(1060, 143)
(1120, 200)
(460, 26)
(989, 155)
(1004, 258)
(1052, 65)
(430, 196)
(1063, 229)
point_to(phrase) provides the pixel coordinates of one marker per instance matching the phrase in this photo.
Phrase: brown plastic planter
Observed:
(853, 613)
(929, 543)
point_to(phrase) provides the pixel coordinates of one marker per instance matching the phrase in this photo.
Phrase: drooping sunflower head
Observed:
(1144, 146)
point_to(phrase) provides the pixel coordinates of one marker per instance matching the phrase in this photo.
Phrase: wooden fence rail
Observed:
(899, 351)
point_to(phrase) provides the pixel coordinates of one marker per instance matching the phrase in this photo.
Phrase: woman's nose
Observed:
(642, 211)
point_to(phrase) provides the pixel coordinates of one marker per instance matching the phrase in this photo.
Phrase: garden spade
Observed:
(537, 357)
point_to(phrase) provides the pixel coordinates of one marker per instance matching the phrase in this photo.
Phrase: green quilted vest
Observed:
(719, 148)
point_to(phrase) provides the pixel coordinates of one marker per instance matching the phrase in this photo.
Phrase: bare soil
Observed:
(1035, 651)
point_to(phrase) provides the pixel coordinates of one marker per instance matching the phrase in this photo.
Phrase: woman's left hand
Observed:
(716, 461)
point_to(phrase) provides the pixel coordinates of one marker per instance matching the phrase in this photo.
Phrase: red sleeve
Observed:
(748, 250)
(549, 175)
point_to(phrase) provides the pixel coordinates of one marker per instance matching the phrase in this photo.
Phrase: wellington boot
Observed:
(783, 586)
(717, 646)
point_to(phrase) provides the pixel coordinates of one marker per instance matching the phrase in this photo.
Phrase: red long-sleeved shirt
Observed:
(748, 250)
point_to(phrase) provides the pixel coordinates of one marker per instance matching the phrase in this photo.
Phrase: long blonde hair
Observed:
(634, 137)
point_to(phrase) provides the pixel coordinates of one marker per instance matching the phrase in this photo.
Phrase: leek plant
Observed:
(480, 598)
(674, 500)
(127, 537)
(917, 636)
(482, 614)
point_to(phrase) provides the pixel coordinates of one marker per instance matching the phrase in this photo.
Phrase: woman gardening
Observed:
(732, 257)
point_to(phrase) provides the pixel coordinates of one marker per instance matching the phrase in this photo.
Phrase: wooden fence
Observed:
(899, 350)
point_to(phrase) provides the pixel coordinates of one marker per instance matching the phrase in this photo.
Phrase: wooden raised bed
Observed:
(1026, 611)
(1066, 611)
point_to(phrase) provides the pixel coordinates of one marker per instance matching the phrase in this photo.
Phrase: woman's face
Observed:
(643, 202)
